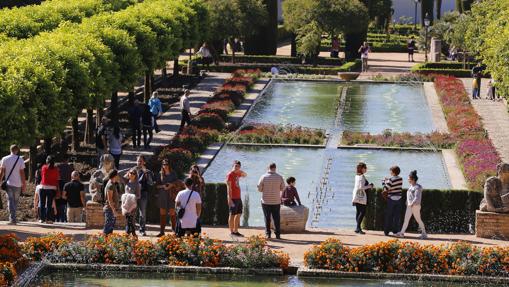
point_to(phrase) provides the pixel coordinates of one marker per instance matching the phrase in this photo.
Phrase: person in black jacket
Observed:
(135, 112)
(146, 121)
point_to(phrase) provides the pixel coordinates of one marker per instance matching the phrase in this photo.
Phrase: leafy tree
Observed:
(264, 39)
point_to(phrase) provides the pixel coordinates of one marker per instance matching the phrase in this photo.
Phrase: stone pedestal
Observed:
(95, 216)
(436, 50)
(492, 225)
(293, 219)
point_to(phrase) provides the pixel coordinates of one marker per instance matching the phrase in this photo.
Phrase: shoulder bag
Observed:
(4, 183)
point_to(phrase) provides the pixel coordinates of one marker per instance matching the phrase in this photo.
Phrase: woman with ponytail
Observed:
(414, 196)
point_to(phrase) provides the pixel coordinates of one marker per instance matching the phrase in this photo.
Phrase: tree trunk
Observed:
(352, 44)
(114, 108)
(90, 126)
(176, 67)
(75, 145)
(164, 72)
(32, 154)
(438, 8)
(293, 45)
(232, 45)
(466, 5)
(459, 7)
(148, 86)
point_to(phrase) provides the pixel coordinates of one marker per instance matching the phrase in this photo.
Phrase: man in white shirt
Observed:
(185, 108)
(189, 200)
(12, 169)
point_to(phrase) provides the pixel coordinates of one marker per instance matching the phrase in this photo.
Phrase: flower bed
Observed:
(274, 134)
(11, 258)
(477, 154)
(169, 250)
(395, 256)
(434, 139)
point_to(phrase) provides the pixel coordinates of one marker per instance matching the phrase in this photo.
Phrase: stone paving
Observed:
(294, 244)
(169, 122)
(495, 117)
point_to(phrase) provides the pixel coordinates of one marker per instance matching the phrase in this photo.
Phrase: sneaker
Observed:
(400, 235)
(423, 236)
(143, 233)
(238, 234)
(361, 232)
(267, 236)
(278, 236)
(41, 221)
(161, 234)
(357, 231)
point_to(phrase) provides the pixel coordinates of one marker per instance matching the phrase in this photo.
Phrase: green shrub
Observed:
(443, 211)
(194, 143)
(179, 158)
(221, 210)
(208, 121)
(281, 60)
(209, 204)
(236, 97)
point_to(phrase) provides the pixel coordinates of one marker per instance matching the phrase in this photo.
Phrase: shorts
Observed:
(237, 207)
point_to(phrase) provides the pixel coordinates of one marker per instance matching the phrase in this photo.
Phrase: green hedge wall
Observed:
(443, 211)
(301, 69)
(445, 68)
(263, 59)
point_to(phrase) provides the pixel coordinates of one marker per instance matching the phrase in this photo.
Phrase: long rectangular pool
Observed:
(307, 166)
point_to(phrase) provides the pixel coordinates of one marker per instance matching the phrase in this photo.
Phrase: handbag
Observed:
(182, 210)
(4, 183)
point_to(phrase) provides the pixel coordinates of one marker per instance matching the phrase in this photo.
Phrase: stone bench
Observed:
(492, 225)
(293, 219)
(95, 216)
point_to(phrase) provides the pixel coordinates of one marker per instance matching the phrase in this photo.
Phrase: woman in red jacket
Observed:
(49, 189)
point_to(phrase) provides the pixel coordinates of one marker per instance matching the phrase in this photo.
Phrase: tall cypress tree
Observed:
(264, 41)
(426, 8)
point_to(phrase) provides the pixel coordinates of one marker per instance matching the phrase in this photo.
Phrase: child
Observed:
(129, 210)
(290, 194)
(414, 195)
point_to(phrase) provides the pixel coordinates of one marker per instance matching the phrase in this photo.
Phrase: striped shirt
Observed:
(394, 186)
(270, 185)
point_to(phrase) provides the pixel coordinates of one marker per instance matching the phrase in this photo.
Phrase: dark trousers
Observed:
(186, 119)
(359, 216)
(61, 210)
(130, 227)
(116, 157)
(156, 127)
(147, 131)
(272, 210)
(136, 130)
(46, 204)
(393, 211)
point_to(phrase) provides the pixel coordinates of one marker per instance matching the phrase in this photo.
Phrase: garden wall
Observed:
(443, 211)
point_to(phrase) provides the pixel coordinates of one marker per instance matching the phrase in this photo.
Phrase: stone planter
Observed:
(492, 225)
(293, 219)
(95, 216)
(348, 76)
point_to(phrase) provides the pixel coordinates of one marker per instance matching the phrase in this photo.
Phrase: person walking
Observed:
(134, 113)
(146, 181)
(364, 51)
(101, 139)
(147, 126)
(188, 202)
(74, 193)
(234, 197)
(115, 145)
(414, 196)
(48, 191)
(411, 45)
(334, 53)
(360, 199)
(111, 206)
(12, 171)
(206, 55)
(129, 200)
(185, 109)
(156, 109)
(271, 184)
(65, 170)
(393, 192)
(476, 86)
(290, 196)
(165, 183)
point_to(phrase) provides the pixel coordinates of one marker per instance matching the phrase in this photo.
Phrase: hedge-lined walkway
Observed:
(495, 118)
(294, 244)
(169, 122)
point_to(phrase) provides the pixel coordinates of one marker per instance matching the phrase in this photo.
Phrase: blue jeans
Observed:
(142, 212)
(46, 204)
(61, 210)
(12, 201)
(393, 212)
(109, 221)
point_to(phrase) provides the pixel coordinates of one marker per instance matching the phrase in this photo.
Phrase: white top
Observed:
(414, 195)
(8, 163)
(190, 216)
(184, 104)
(359, 193)
(128, 203)
(115, 144)
(204, 52)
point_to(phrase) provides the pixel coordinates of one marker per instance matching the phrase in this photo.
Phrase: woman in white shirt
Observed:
(115, 145)
(206, 54)
(413, 195)
(360, 199)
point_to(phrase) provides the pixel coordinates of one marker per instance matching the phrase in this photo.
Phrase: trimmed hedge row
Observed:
(347, 67)
(263, 59)
(445, 65)
(443, 211)
(460, 73)
(215, 209)
(31, 20)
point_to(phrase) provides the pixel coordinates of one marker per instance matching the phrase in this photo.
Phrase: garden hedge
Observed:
(263, 59)
(299, 69)
(31, 20)
(443, 211)
(445, 68)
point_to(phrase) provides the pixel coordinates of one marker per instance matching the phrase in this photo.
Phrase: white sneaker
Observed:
(41, 221)
(423, 236)
(400, 235)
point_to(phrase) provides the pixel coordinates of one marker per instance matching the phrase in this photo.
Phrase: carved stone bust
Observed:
(97, 178)
(496, 191)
